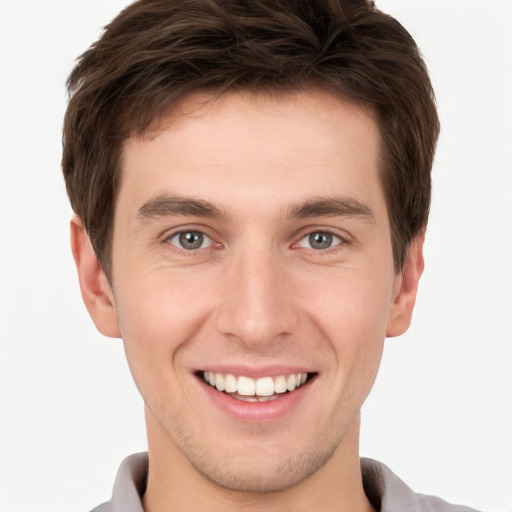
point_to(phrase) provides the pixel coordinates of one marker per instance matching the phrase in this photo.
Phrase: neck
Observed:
(174, 484)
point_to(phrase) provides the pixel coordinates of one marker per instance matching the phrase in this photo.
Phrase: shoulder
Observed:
(388, 493)
(105, 507)
(129, 486)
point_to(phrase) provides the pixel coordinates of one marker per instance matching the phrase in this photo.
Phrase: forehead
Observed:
(239, 147)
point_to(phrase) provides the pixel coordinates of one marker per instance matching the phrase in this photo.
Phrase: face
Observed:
(253, 281)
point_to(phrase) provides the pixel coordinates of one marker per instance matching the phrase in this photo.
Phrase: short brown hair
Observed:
(155, 52)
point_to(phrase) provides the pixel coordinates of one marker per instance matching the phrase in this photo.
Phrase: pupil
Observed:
(320, 240)
(191, 240)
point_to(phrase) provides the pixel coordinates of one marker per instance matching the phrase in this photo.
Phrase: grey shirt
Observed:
(386, 492)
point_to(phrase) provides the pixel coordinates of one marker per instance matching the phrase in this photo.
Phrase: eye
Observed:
(190, 240)
(320, 240)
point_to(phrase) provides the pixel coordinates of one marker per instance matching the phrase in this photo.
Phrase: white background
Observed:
(441, 412)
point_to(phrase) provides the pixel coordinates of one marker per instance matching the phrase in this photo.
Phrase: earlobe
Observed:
(96, 291)
(406, 288)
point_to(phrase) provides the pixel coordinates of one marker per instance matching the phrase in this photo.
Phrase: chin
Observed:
(263, 473)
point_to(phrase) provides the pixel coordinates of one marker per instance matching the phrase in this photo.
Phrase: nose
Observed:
(256, 306)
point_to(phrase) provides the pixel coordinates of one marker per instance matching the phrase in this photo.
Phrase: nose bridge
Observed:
(256, 304)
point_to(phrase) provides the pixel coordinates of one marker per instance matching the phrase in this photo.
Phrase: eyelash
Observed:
(336, 241)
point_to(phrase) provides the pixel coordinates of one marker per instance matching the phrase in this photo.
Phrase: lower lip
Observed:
(257, 412)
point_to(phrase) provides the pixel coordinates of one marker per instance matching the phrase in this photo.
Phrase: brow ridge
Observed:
(168, 204)
(331, 207)
(165, 204)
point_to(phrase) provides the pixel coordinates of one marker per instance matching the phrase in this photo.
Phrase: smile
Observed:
(262, 389)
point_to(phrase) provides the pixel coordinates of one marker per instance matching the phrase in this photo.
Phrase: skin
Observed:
(256, 294)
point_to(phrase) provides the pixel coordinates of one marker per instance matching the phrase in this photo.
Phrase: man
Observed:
(251, 183)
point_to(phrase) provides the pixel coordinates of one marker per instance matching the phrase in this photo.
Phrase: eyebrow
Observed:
(164, 205)
(167, 205)
(331, 207)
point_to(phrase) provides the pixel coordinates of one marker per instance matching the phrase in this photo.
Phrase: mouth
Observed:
(263, 389)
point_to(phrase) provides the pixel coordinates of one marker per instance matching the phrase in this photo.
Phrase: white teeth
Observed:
(230, 384)
(291, 383)
(280, 384)
(263, 388)
(219, 381)
(247, 398)
(246, 386)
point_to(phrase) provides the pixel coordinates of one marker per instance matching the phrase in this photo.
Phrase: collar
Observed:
(386, 492)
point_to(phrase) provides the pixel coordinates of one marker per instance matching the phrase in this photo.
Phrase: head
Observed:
(157, 52)
(254, 179)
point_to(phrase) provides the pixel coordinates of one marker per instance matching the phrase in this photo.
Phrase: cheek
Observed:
(352, 315)
(157, 318)
(354, 305)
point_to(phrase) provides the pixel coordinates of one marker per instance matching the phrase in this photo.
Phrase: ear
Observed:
(96, 291)
(406, 287)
